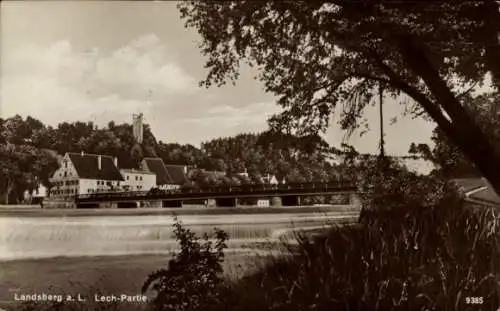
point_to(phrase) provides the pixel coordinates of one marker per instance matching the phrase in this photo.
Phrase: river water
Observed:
(45, 237)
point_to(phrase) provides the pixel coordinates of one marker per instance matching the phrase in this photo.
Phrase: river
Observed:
(28, 237)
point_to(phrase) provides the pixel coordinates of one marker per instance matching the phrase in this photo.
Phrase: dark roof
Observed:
(157, 166)
(165, 174)
(87, 166)
(176, 173)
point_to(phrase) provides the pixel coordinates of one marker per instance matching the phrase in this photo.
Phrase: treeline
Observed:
(29, 153)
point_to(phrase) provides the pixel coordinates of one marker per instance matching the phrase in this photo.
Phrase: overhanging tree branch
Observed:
(397, 82)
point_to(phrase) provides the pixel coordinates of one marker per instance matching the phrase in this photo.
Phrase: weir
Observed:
(37, 237)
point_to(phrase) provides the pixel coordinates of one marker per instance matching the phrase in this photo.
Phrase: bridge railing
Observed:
(219, 189)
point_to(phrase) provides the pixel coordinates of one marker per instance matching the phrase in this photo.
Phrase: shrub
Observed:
(418, 246)
(192, 280)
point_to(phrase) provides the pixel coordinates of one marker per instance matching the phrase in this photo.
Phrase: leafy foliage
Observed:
(192, 280)
(28, 142)
(420, 248)
(22, 165)
(317, 56)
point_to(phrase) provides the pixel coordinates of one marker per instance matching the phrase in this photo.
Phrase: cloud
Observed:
(143, 62)
(251, 116)
(58, 83)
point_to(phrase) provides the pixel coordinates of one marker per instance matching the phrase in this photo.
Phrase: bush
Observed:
(418, 246)
(193, 279)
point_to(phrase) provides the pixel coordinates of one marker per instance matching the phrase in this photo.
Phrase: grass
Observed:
(372, 268)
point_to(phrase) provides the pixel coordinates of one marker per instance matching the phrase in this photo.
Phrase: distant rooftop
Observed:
(165, 174)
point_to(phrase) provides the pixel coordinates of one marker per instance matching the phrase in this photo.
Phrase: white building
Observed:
(37, 194)
(40, 191)
(263, 203)
(137, 180)
(82, 173)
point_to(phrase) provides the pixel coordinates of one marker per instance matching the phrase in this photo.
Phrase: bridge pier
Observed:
(172, 203)
(210, 203)
(108, 205)
(226, 202)
(276, 201)
(290, 200)
(156, 204)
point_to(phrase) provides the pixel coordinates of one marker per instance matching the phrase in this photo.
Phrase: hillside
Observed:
(29, 151)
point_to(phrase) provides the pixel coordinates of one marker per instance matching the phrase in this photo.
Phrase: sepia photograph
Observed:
(250, 155)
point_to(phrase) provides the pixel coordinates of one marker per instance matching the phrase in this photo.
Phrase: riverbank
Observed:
(104, 275)
(29, 211)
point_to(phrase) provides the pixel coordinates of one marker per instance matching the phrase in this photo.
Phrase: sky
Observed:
(102, 61)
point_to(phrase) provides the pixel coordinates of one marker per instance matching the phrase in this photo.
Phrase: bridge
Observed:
(288, 194)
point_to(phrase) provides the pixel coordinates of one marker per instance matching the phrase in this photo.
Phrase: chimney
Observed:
(115, 160)
(82, 153)
(185, 169)
(99, 164)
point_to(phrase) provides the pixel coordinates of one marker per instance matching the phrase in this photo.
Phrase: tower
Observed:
(137, 127)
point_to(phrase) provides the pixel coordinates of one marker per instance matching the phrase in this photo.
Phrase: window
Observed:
(140, 178)
(136, 178)
(128, 177)
(66, 164)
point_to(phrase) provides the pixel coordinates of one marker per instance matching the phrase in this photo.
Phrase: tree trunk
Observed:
(463, 131)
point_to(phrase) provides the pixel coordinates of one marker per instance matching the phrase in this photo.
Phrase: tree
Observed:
(21, 168)
(136, 155)
(315, 56)
(449, 159)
